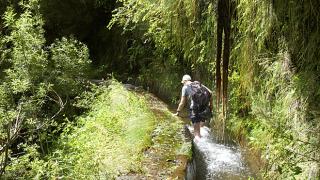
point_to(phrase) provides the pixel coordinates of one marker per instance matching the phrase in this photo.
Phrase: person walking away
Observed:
(199, 98)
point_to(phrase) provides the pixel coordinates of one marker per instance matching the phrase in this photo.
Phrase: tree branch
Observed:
(10, 138)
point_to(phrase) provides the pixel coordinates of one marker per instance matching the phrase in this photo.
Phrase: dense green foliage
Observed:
(178, 37)
(37, 82)
(275, 94)
(108, 141)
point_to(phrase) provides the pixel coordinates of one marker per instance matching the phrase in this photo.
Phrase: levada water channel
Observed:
(219, 158)
(216, 156)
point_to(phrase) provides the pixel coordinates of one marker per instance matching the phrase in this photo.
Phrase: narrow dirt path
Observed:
(170, 151)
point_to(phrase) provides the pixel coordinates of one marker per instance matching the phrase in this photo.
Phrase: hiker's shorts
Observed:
(195, 118)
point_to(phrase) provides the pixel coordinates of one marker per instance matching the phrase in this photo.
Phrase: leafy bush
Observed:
(36, 84)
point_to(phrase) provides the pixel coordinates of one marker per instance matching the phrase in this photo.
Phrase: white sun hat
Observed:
(186, 77)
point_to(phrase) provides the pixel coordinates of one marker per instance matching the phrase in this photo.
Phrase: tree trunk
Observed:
(223, 27)
(6, 151)
(218, 60)
(226, 55)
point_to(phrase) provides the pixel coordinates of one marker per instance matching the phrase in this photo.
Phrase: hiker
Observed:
(200, 101)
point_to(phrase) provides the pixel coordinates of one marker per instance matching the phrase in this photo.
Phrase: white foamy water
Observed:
(221, 161)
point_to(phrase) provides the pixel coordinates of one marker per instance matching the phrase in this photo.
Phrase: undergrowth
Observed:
(274, 96)
(106, 142)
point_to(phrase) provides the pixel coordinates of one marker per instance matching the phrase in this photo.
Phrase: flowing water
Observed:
(215, 160)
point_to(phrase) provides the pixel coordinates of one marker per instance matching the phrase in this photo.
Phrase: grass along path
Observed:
(170, 151)
(124, 135)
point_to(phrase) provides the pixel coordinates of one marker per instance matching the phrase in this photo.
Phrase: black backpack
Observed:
(200, 97)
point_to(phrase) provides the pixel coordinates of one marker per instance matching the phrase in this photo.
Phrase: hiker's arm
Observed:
(181, 104)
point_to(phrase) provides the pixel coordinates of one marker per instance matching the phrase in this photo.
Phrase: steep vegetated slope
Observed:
(275, 92)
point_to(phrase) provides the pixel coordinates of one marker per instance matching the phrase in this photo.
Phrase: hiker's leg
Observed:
(196, 127)
(196, 124)
(201, 123)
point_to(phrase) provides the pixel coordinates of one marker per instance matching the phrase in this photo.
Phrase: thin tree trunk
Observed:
(223, 27)
(219, 51)
(6, 151)
(226, 55)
